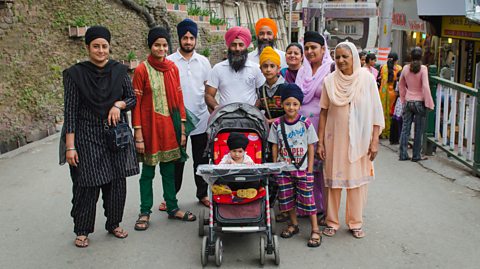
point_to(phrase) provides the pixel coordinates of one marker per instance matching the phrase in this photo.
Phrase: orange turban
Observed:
(268, 53)
(266, 22)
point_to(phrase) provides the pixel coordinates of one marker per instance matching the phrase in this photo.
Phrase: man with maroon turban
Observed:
(266, 31)
(236, 78)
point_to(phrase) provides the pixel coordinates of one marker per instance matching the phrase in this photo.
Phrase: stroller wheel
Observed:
(204, 251)
(276, 249)
(201, 222)
(262, 250)
(218, 251)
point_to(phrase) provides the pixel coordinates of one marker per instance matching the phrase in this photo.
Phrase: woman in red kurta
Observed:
(159, 122)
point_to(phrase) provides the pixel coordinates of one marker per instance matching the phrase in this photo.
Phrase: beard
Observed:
(187, 50)
(237, 60)
(263, 44)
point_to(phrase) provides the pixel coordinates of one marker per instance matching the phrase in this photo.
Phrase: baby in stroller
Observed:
(237, 144)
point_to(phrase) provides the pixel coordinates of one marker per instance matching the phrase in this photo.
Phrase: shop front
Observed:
(459, 53)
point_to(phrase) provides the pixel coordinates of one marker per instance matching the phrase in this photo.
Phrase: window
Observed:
(350, 29)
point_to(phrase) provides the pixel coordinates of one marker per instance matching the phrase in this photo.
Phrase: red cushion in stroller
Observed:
(254, 148)
(231, 199)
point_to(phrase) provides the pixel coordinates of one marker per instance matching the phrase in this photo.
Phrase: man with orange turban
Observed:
(236, 78)
(266, 31)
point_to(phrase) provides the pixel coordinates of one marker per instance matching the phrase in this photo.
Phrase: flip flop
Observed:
(187, 216)
(119, 233)
(358, 233)
(329, 231)
(81, 243)
(163, 206)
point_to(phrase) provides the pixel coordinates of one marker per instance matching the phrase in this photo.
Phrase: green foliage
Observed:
(205, 52)
(217, 21)
(131, 56)
(179, 2)
(194, 11)
(79, 21)
(205, 12)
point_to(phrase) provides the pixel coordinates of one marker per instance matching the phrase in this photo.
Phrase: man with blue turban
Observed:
(194, 69)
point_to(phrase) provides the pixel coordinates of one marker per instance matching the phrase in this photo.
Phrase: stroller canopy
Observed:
(237, 116)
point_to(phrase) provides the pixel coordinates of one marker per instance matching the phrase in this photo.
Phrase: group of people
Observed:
(330, 108)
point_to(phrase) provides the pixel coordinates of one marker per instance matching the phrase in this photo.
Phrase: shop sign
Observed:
(469, 49)
(460, 27)
(382, 55)
(405, 17)
(346, 10)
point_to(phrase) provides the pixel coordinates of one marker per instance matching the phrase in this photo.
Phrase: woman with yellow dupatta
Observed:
(159, 121)
(388, 75)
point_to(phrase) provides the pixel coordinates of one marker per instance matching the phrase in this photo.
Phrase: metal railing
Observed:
(453, 126)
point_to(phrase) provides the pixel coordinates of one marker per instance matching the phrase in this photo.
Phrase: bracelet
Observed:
(138, 141)
(117, 107)
(70, 149)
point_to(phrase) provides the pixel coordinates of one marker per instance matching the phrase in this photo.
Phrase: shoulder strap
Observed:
(287, 146)
(265, 101)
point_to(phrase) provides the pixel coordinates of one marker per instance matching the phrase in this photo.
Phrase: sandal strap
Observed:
(186, 215)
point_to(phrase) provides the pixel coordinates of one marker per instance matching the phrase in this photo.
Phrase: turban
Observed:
(95, 32)
(266, 22)
(268, 53)
(291, 90)
(311, 36)
(238, 32)
(187, 25)
(236, 141)
(156, 33)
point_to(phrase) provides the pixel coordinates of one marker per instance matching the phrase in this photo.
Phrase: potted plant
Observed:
(132, 61)
(78, 27)
(177, 5)
(204, 15)
(194, 12)
(218, 24)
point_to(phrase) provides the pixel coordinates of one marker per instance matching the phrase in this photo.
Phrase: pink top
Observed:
(415, 87)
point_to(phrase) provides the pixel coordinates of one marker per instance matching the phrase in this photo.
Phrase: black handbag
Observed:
(118, 137)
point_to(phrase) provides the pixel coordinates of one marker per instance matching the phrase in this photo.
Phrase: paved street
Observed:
(415, 218)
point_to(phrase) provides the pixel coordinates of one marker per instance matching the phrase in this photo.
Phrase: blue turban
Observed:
(187, 25)
(291, 90)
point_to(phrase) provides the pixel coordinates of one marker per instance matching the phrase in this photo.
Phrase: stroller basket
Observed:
(250, 213)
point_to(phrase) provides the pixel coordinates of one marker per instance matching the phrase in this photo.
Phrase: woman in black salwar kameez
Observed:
(98, 93)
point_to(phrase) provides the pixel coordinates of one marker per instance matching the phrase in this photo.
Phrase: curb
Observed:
(29, 146)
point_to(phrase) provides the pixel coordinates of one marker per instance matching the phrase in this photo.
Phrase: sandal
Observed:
(205, 202)
(358, 233)
(81, 242)
(142, 222)
(247, 193)
(119, 233)
(163, 206)
(187, 216)
(315, 242)
(282, 217)
(288, 232)
(329, 231)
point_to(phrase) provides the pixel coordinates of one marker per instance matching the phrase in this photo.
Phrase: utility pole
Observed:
(289, 21)
(322, 19)
(385, 34)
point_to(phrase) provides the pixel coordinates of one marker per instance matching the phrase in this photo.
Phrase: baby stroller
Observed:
(228, 213)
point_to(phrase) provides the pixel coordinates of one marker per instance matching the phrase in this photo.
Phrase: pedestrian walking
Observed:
(416, 97)
(351, 120)
(310, 78)
(370, 61)
(98, 93)
(161, 127)
(194, 69)
(266, 32)
(293, 137)
(236, 79)
(294, 55)
(388, 76)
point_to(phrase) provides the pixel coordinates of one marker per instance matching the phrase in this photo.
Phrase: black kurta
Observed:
(97, 164)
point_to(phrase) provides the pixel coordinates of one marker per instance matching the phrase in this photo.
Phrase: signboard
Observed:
(405, 17)
(382, 55)
(460, 27)
(346, 10)
(469, 49)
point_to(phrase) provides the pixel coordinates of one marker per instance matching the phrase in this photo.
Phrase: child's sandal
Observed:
(290, 231)
(315, 242)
